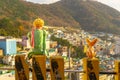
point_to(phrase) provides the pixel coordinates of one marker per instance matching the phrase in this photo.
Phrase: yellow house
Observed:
(1, 52)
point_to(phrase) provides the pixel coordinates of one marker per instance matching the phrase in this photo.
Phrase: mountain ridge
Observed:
(88, 15)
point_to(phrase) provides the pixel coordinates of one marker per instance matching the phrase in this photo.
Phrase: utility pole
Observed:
(69, 52)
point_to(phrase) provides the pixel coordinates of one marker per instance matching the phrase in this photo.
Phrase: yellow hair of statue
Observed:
(38, 22)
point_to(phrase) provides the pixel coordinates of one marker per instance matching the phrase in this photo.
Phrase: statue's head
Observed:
(38, 23)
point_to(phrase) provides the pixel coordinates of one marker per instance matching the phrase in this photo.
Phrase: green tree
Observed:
(78, 52)
(3, 32)
(60, 41)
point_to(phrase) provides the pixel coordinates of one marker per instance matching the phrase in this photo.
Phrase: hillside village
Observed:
(107, 49)
(104, 48)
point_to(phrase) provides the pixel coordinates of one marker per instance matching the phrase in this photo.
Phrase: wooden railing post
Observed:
(21, 68)
(57, 68)
(91, 68)
(117, 70)
(39, 67)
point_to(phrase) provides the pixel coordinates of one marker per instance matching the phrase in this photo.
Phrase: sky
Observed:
(43, 1)
(112, 3)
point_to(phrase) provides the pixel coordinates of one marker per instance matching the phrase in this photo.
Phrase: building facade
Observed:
(8, 46)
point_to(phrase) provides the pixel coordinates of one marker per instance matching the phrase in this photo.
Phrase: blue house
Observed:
(8, 46)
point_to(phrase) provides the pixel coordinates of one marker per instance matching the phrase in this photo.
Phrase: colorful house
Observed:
(1, 52)
(8, 46)
(25, 42)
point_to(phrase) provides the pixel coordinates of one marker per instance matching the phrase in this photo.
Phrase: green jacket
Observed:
(39, 42)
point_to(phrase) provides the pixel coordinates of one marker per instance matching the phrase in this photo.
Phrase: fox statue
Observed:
(90, 51)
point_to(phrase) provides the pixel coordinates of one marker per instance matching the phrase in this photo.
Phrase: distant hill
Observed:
(16, 16)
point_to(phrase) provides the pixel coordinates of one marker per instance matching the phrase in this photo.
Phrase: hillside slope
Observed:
(17, 16)
(93, 16)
